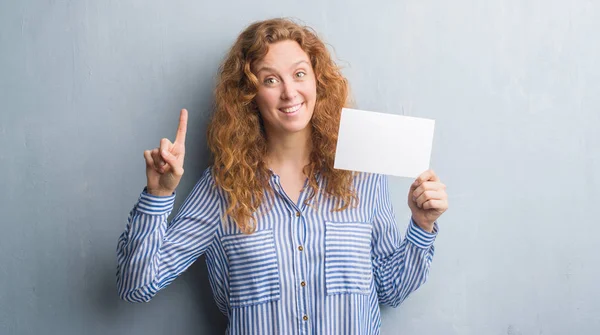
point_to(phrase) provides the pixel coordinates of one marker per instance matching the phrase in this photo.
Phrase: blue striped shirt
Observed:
(305, 270)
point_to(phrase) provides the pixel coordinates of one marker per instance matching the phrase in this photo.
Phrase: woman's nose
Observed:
(289, 91)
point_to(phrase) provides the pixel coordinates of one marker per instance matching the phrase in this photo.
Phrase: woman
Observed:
(292, 245)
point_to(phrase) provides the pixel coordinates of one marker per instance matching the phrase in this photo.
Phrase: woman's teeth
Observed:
(291, 109)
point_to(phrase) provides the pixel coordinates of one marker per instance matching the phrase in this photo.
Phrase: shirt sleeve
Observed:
(399, 266)
(152, 252)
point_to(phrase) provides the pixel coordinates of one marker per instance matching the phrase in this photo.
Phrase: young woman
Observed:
(292, 245)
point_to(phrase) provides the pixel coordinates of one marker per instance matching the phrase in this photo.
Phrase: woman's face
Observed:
(287, 89)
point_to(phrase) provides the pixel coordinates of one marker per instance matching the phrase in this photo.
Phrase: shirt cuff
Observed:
(419, 237)
(155, 205)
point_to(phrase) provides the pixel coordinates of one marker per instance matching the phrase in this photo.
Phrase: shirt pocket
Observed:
(348, 267)
(253, 268)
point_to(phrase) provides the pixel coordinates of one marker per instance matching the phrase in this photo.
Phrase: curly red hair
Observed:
(236, 135)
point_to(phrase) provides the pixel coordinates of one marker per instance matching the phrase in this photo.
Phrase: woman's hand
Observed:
(427, 200)
(164, 165)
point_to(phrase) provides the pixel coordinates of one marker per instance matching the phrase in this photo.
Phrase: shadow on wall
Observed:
(197, 274)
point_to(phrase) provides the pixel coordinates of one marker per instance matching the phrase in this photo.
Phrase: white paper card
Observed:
(384, 143)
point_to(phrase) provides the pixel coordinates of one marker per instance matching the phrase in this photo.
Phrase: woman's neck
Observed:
(290, 151)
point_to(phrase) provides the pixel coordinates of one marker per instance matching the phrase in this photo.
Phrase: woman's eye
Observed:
(300, 74)
(270, 81)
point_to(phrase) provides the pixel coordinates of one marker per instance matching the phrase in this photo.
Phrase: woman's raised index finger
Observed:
(181, 130)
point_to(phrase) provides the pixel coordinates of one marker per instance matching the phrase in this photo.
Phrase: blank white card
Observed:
(384, 143)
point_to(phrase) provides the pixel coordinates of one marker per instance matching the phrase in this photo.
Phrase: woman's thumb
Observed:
(168, 157)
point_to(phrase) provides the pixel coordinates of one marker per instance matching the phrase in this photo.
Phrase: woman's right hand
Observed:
(164, 165)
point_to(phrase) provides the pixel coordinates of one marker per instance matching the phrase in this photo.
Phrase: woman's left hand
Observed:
(427, 200)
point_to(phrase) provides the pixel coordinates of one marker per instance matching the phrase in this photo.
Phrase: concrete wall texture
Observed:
(86, 86)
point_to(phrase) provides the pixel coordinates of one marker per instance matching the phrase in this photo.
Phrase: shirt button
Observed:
(300, 248)
(303, 284)
(305, 318)
(297, 213)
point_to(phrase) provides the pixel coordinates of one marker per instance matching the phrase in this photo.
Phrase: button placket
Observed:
(299, 228)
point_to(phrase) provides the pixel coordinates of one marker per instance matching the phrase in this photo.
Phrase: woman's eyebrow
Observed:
(268, 68)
